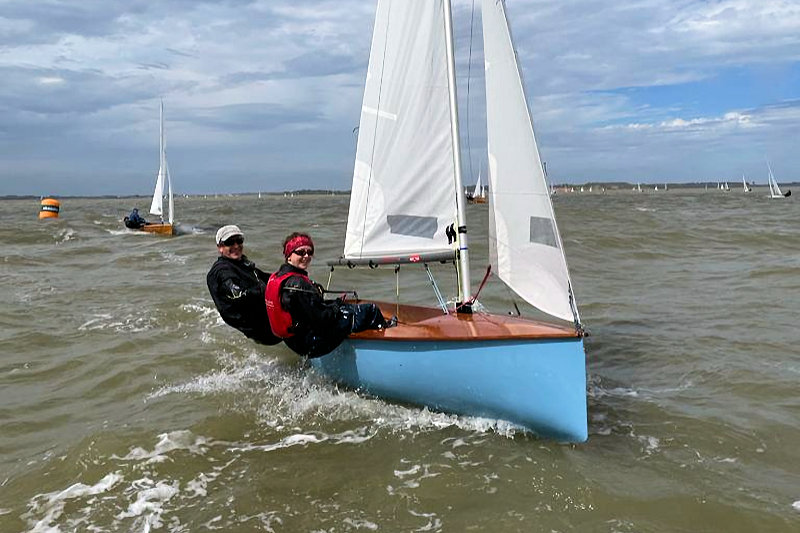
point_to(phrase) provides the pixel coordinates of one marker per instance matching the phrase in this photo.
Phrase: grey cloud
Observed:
(250, 117)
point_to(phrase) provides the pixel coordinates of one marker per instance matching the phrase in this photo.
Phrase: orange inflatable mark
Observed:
(50, 208)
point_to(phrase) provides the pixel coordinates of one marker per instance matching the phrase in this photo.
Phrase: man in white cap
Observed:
(237, 287)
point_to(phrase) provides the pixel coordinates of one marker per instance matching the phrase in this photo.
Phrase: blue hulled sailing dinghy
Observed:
(408, 198)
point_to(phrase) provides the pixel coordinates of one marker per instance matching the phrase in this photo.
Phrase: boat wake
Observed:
(186, 229)
(292, 395)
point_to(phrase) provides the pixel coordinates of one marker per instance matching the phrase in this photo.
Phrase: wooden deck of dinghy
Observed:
(161, 229)
(431, 324)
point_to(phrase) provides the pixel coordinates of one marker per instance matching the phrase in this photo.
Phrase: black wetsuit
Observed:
(320, 325)
(237, 288)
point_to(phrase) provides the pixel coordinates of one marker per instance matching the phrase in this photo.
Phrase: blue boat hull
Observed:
(539, 384)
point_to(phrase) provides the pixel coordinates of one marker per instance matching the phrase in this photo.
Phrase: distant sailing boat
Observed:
(478, 195)
(408, 206)
(163, 180)
(774, 190)
(747, 188)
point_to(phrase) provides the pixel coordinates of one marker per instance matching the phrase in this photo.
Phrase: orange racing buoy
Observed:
(50, 208)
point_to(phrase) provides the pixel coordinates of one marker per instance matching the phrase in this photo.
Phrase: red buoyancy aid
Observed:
(279, 319)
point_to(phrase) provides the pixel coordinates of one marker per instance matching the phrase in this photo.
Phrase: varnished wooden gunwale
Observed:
(416, 323)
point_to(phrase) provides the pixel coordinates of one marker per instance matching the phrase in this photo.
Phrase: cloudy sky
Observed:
(263, 95)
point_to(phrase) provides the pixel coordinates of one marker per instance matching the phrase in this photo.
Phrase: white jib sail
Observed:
(403, 194)
(525, 245)
(156, 206)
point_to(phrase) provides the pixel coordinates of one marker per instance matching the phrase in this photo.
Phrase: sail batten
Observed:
(525, 246)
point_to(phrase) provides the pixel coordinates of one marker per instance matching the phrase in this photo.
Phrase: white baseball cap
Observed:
(226, 232)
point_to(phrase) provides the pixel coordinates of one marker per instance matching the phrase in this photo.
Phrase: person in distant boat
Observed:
(134, 220)
(237, 287)
(299, 313)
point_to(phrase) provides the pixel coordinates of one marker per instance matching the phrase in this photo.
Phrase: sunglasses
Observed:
(303, 253)
(233, 240)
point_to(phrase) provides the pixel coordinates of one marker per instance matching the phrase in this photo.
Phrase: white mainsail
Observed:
(156, 206)
(525, 244)
(403, 195)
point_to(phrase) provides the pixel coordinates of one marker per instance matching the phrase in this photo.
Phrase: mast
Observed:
(463, 248)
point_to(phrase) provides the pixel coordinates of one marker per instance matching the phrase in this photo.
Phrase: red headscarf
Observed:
(295, 243)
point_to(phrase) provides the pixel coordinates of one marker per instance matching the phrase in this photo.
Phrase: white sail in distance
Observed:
(163, 179)
(403, 194)
(477, 192)
(526, 251)
(774, 190)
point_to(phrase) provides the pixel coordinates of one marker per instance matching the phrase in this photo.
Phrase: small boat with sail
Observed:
(163, 189)
(478, 194)
(774, 190)
(746, 187)
(407, 207)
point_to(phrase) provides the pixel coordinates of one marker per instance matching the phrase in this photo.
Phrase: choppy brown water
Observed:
(127, 405)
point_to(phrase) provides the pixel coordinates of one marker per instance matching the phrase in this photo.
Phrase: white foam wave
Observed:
(616, 392)
(361, 524)
(130, 323)
(64, 235)
(651, 444)
(303, 439)
(149, 504)
(52, 504)
(412, 478)
(171, 257)
(168, 442)
(127, 232)
(202, 309)
(434, 522)
(207, 314)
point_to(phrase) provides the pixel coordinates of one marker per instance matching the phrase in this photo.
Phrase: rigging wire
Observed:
(439, 296)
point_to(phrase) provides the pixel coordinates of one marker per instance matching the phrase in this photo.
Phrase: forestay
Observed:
(403, 193)
(525, 245)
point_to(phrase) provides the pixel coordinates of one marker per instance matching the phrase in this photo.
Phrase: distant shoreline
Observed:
(607, 186)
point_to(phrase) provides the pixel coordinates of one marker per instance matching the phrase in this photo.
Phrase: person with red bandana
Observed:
(298, 312)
